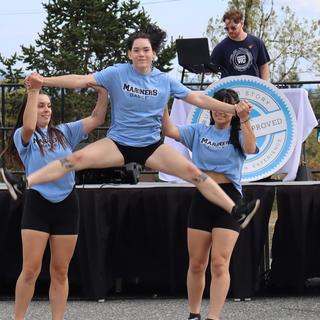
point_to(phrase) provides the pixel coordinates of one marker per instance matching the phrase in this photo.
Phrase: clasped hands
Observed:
(243, 109)
(33, 82)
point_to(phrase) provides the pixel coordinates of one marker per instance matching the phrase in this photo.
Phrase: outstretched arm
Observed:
(30, 114)
(205, 102)
(71, 81)
(169, 129)
(98, 114)
(248, 137)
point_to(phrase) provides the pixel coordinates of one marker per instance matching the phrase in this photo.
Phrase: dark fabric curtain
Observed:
(248, 256)
(137, 235)
(295, 246)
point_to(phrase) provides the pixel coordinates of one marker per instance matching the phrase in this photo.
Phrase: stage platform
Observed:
(135, 236)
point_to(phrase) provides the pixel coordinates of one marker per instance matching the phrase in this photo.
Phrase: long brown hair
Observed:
(10, 153)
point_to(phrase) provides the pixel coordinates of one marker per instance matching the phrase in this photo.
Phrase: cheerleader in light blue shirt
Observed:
(51, 211)
(138, 93)
(219, 151)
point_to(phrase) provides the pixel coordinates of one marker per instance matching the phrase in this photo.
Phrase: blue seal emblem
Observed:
(273, 121)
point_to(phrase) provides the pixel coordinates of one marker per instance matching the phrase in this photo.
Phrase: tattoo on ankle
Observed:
(66, 163)
(201, 178)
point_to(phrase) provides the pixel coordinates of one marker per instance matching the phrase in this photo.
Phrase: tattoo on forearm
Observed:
(67, 164)
(201, 178)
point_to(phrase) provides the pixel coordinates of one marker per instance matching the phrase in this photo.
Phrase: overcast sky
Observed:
(20, 21)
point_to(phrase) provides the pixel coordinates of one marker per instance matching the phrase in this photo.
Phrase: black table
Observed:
(136, 234)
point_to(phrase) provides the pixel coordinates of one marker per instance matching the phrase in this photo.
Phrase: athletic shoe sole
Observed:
(250, 215)
(10, 187)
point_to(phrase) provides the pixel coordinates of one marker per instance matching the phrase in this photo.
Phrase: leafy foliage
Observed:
(81, 37)
(10, 73)
(293, 44)
(85, 36)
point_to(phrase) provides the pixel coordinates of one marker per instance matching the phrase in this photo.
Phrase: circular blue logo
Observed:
(273, 121)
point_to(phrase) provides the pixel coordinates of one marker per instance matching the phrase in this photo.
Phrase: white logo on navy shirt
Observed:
(241, 59)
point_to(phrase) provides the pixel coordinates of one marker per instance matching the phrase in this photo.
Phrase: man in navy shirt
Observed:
(240, 53)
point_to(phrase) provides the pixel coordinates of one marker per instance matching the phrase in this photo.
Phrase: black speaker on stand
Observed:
(129, 173)
(194, 56)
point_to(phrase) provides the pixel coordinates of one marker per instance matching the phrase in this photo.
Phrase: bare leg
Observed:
(33, 246)
(62, 249)
(169, 161)
(223, 242)
(100, 154)
(199, 243)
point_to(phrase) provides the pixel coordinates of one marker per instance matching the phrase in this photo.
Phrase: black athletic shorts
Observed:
(137, 154)
(61, 218)
(204, 215)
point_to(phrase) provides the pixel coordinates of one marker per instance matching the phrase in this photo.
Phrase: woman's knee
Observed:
(30, 274)
(191, 172)
(76, 158)
(219, 266)
(76, 161)
(59, 274)
(197, 266)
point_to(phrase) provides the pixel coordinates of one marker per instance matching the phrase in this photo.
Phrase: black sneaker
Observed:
(243, 213)
(16, 185)
(194, 317)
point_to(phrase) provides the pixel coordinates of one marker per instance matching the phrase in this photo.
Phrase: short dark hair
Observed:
(153, 33)
(233, 14)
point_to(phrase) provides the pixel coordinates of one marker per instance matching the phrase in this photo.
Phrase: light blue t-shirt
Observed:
(212, 151)
(33, 160)
(137, 102)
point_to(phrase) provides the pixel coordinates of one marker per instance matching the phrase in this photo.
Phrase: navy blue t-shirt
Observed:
(240, 57)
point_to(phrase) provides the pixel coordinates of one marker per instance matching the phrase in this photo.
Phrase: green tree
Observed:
(314, 97)
(293, 44)
(313, 153)
(11, 73)
(82, 37)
